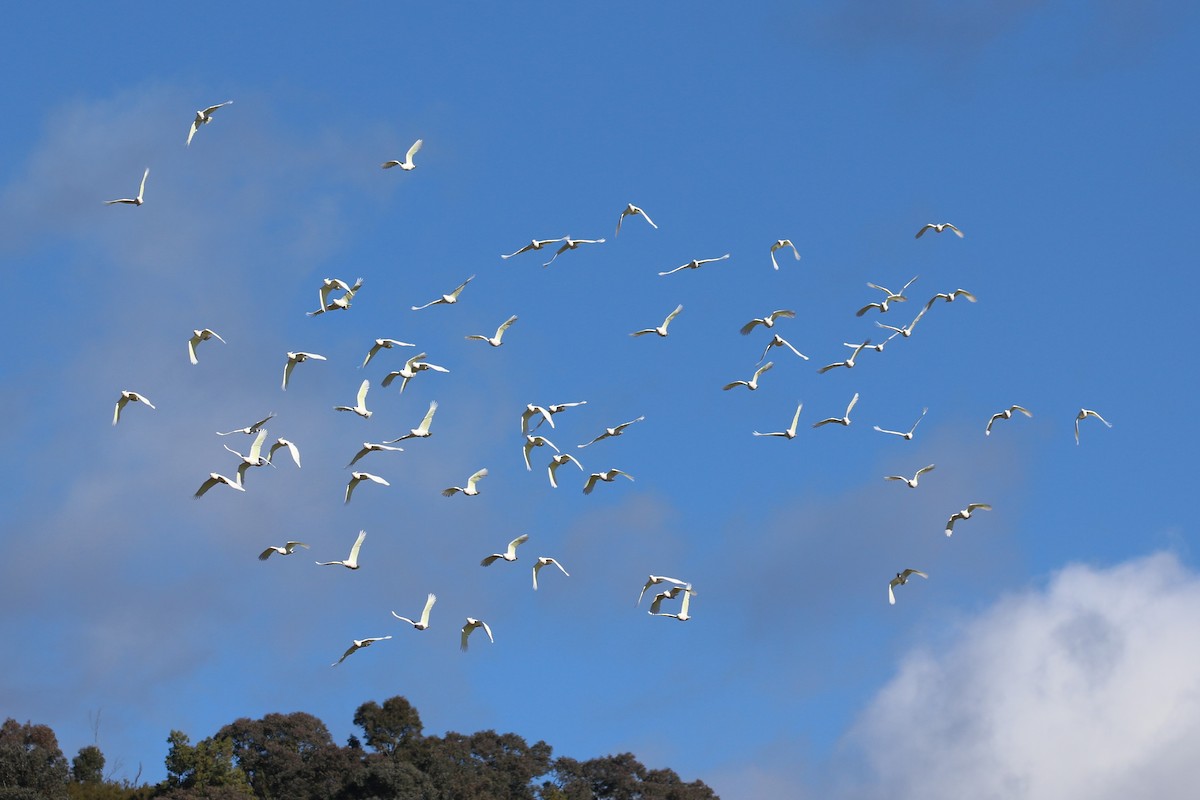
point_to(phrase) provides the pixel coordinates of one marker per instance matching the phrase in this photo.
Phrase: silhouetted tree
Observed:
(622, 777)
(387, 727)
(204, 770)
(289, 756)
(30, 759)
(88, 765)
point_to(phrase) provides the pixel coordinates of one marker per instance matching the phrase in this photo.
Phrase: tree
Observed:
(30, 758)
(206, 769)
(390, 726)
(88, 765)
(622, 777)
(289, 756)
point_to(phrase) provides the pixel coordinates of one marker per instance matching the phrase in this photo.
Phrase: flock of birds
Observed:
(337, 295)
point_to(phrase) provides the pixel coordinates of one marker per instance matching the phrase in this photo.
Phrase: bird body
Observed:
(1083, 414)
(570, 244)
(751, 384)
(1005, 414)
(632, 210)
(901, 579)
(254, 458)
(384, 344)
(286, 550)
(769, 320)
(470, 490)
(293, 451)
(422, 623)
(910, 482)
(938, 227)
(607, 476)
(407, 164)
(783, 243)
(126, 398)
(965, 514)
(790, 433)
(682, 615)
(661, 330)
(203, 117)
(654, 580)
(469, 628)
(338, 303)
(531, 442)
(198, 337)
(422, 430)
(534, 244)
(371, 447)
(358, 645)
(297, 358)
(360, 407)
(447, 299)
(907, 330)
(556, 462)
(215, 478)
(695, 263)
(351, 561)
(409, 371)
(358, 477)
(849, 362)
(615, 430)
(133, 201)
(845, 420)
(950, 297)
(779, 341)
(906, 435)
(495, 341)
(510, 554)
(252, 429)
(544, 561)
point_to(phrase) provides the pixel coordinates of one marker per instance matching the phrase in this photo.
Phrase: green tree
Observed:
(206, 769)
(88, 765)
(623, 777)
(30, 759)
(289, 756)
(390, 726)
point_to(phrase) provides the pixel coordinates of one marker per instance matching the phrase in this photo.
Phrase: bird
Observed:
(965, 514)
(422, 430)
(252, 429)
(534, 244)
(849, 362)
(543, 561)
(751, 384)
(410, 370)
(570, 244)
(470, 490)
(842, 420)
(669, 594)
(783, 243)
(510, 554)
(654, 580)
(909, 435)
(198, 337)
(126, 398)
(291, 448)
(551, 410)
(938, 227)
(286, 550)
(471, 625)
(328, 285)
(351, 561)
(683, 615)
(203, 117)
(1005, 414)
(790, 433)
(384, 344)
(901, 579)
(447, 299)
(768, 321)
(531, 442)
(950, 297)
(254, 458)
(494, 341)
(530, 410)
(661, 330)
(296, 358)
(608, 477)
(632, 210)
(891, 297)
(615, 430)
(910, 482)
(779, 341)
(357, 477)
(215, 478)
(358, 645)
(370, 447)
(1083, 414)
(407, 164)
(422, 623)
(360, 406)
(338, 303)
(134, 201)
(907, 330)
(695, 263)
(556, 462)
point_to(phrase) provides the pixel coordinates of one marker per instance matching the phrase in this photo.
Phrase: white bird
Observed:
(938, 227)
(371, 447)
(198, 337)
(695, 263)
(751, 384)
(252, 429)
(351, 561)
(891, 297)
(510, 554)
(1005, 414)
(133, 201)
(910, 482)
(494, 341)
(291, 448)
(407, 164)
(551, 410)
(608, 477)
(632, 210)
(215, 478)
(470, 490)
(783, 243)
(790, 433)
(296, 358)
(447, 299)
(328, 285)
(556, 462)
(384, 344)
(965, 514)
(530, 410)
(909, 435)
(570, 244)
(779, 341)
(769, 320)
(654, 580)
(338, 303)
(422, 623)
(950, 297)
(286, 550)
(1083, 414)
(669, 594)
(422, 430)
(545, 560)
(357, 477)
(683, 615)
(531, 442)
(839, 420)
(411, 367)
(901, 579)
(615, 430)
(358, 645)
(203, 117)
(661, 330)
(471, 625)
(254, 458)
(534, 244)
(907, 330)
(849, 362)
(360, 407)
(128, 397)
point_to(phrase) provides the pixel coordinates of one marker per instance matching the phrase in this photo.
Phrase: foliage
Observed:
(203, 770)
(31, 759)
(88, 765)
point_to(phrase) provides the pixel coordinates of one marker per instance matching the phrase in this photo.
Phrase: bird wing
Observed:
(474, 479)
(192, 342)
(429, 601)
(891, 594)
(211, 109)
(487, 630)
(428, 419)
(353, 559)
(353, 647)
(921, 232)
(390, 164)
(763, 369)
(142, 187)
(881, 430)
(256, 449)
(362, 393)
(591, 483)
(265, 554)
(461, 286)
(466, 631)
(749, 326)
(850, 407)
(354, 479)
(672, 316)
(406, 619)
(192, 132)
(287, 372)
(923, 470)
(528, 446)
(487, 562)
(375, 349)
(1024, 411)
(204, 487)
(292, 449)
(517, 542)
(412, 151)
(504, 326)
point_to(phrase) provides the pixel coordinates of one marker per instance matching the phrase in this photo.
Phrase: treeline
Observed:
(293, 757)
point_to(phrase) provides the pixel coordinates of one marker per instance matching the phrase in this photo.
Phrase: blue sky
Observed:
(1058, 136)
